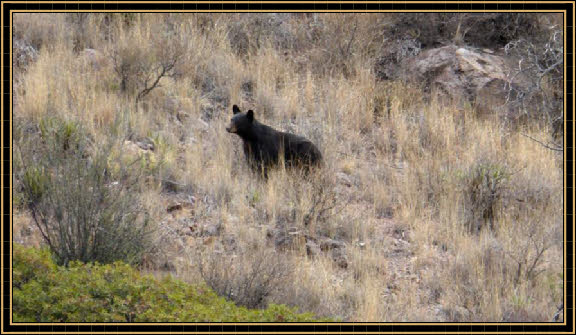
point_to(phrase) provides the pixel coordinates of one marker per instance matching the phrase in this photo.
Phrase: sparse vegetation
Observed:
(427, 209)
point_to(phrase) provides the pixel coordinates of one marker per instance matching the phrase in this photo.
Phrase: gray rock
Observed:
(456, 72)
(211, 229)
(26, 231)
(344, 179)
(339, 257)
(174, 207)
(312, 249)
(329, 244)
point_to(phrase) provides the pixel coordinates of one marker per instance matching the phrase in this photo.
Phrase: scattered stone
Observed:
(211, 229)
(329, 244)
(26, 231)
(168, 266)
(208, 241)
(282, 239)
(456, 314)
(344, 179)
(292, 229)
(182, 116)
(132, 148)
(174, 207)
(286, 238)
(339, 257)
(229, 242)
(145, 144)
(172, 186)
(312, 249)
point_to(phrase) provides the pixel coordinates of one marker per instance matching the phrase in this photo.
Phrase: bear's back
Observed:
(300, 150)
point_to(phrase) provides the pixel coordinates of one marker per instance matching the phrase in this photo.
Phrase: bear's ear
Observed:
(235, 109)
(250, 115)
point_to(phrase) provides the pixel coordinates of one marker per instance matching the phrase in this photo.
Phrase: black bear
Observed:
(264, 146)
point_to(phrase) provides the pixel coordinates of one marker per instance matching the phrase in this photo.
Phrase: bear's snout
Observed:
(231, 129)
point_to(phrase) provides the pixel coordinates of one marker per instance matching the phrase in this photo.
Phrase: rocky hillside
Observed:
(441, 195)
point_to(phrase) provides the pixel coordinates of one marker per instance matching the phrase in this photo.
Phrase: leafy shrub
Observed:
(80, 196)
(44, 292)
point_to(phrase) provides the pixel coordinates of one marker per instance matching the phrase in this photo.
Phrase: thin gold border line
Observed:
(124, 324)
(2, 169)
(279, 332)
(11, 172)
(255, 324)
(293, 2)
(280, 11)
(573, 165)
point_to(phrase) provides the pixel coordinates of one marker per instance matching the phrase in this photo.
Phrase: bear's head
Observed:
(241, 123)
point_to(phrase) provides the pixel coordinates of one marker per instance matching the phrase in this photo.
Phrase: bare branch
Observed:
(542, 143)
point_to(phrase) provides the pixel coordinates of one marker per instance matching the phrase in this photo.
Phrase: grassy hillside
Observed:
(425, 210)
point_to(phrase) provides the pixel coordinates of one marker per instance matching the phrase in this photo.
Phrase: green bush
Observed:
(44, 292)
(82, 198)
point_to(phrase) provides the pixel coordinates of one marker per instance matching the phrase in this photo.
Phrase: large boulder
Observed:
(481, 77)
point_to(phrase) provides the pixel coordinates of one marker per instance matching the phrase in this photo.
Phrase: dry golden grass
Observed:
(398, 166)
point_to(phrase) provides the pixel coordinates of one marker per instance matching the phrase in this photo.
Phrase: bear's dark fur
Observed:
(264, 146)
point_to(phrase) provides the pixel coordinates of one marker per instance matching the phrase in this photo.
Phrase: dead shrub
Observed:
(143, 56)
(246, 278)
(539, 63)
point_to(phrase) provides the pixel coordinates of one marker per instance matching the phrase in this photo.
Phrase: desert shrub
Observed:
(312, 201)
(247, 279)
(483, 189)
(80, 195)
(531, 241)
(44, 292)
(144, 54)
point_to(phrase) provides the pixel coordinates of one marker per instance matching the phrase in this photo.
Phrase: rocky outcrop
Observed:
(480, 76)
